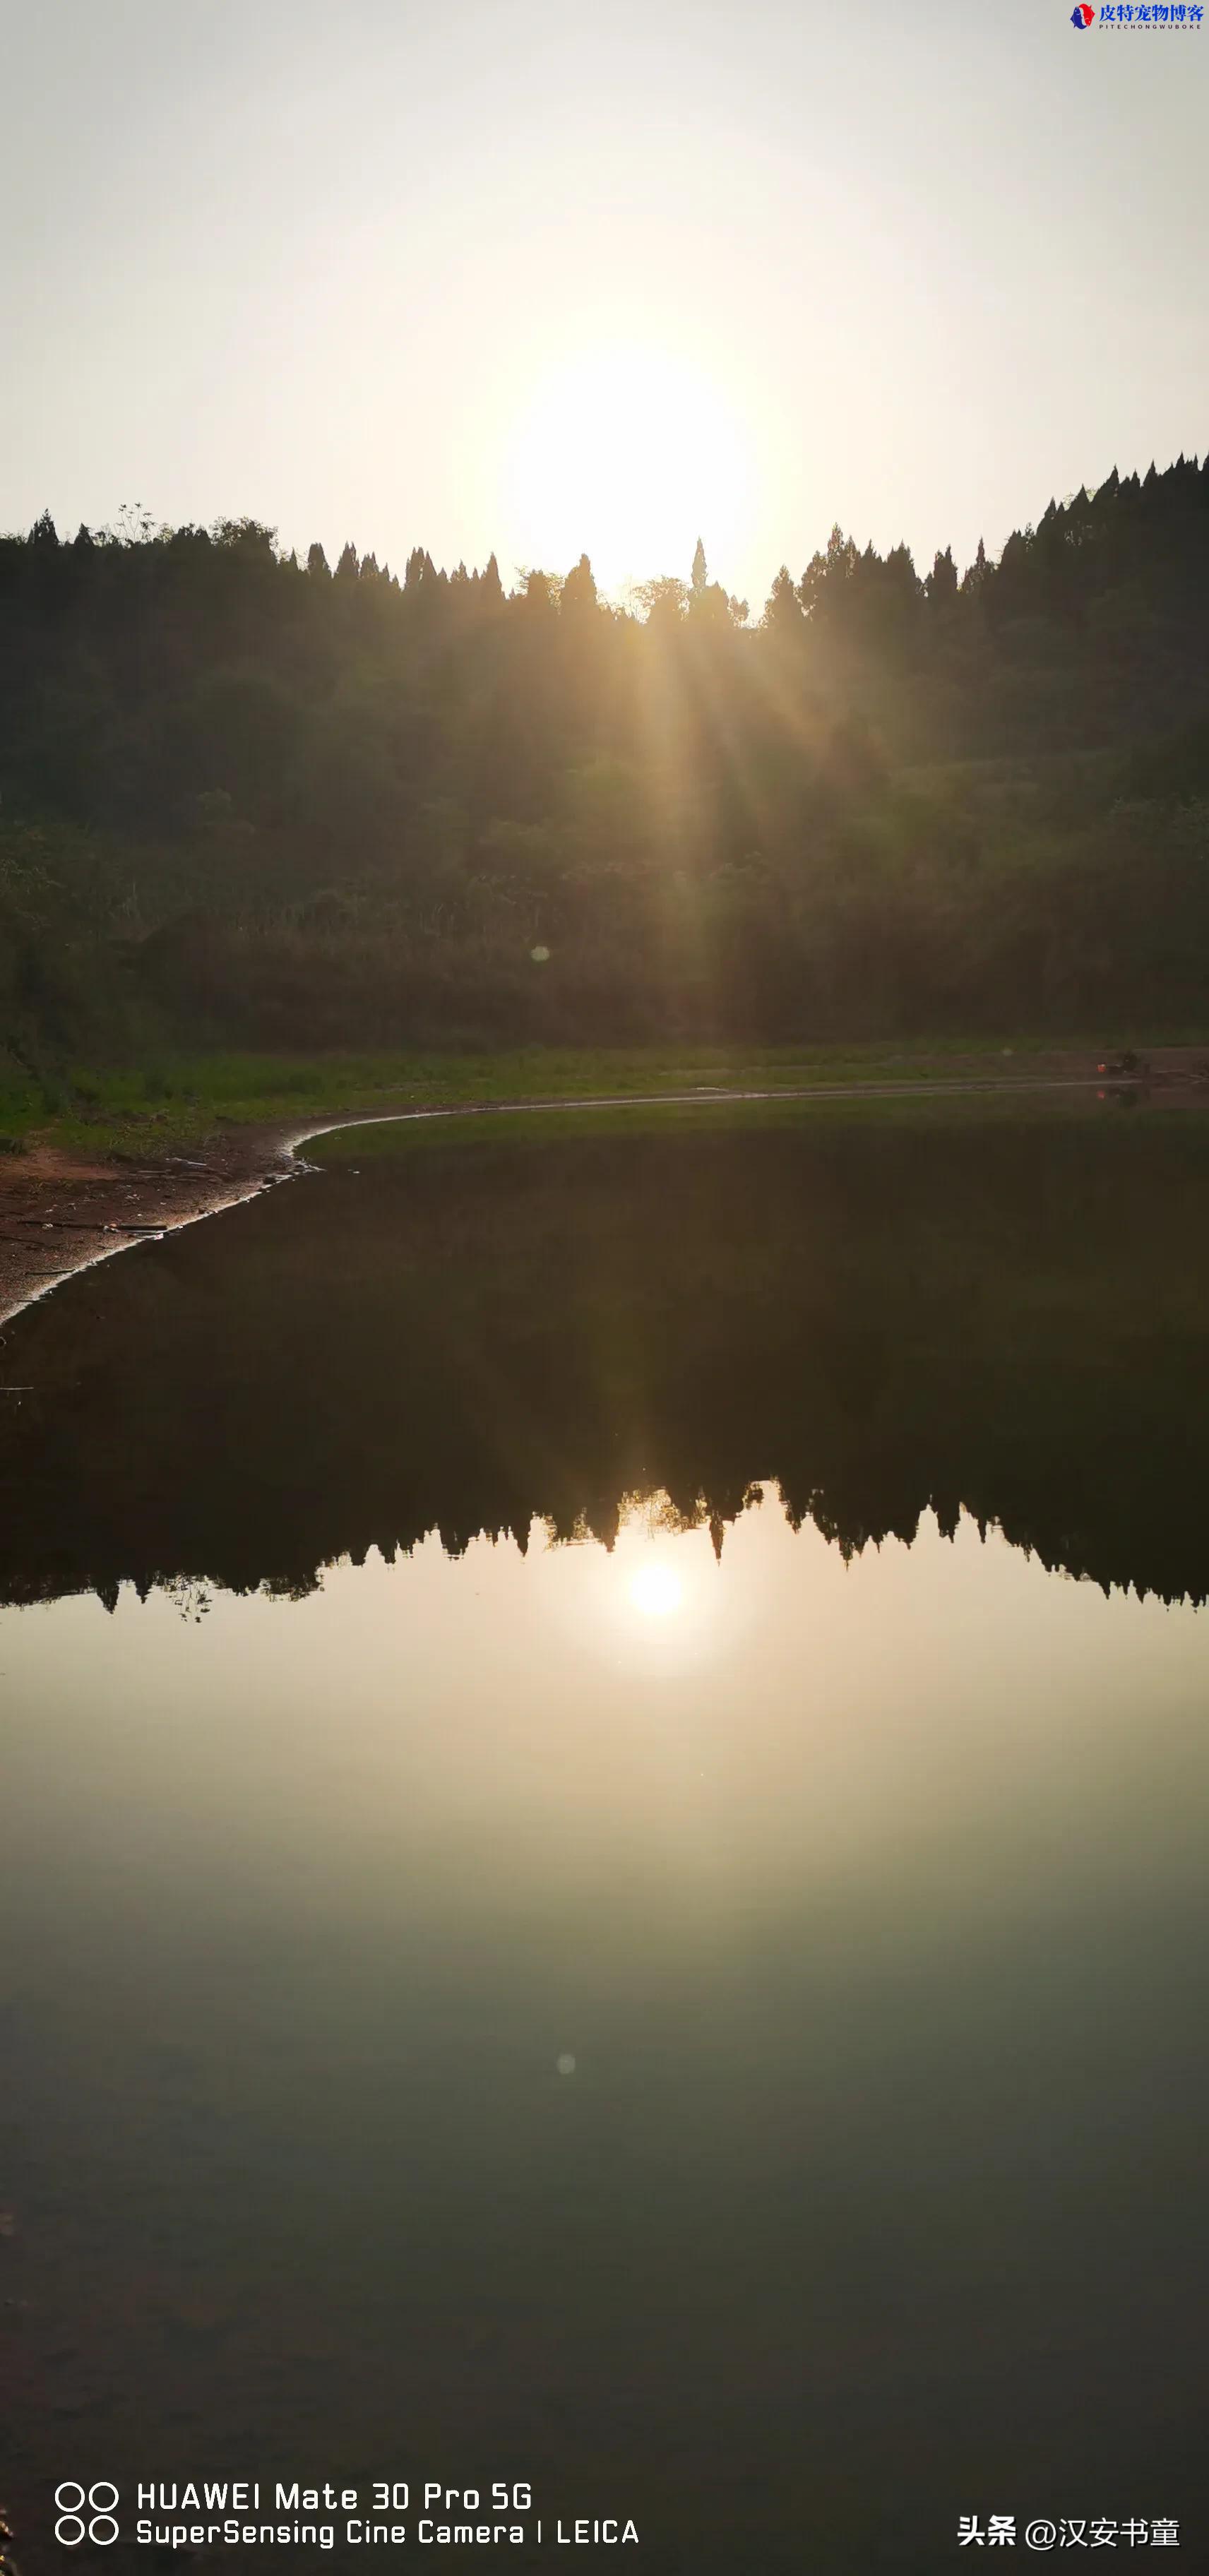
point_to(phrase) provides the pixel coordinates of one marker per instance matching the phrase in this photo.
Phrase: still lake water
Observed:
(604, 1785)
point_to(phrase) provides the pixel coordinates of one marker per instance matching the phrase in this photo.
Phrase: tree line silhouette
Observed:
(246, 796)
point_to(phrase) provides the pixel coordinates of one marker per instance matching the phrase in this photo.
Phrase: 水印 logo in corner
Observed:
(1147, 17)
(86, 2512)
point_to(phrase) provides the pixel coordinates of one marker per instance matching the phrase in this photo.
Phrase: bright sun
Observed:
(627, 454)
(656, 1591)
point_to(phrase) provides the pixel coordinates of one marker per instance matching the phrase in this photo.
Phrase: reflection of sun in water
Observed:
(656, 1591)
(660, 1602)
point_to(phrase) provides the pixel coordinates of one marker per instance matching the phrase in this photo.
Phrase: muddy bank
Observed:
(61, 1212)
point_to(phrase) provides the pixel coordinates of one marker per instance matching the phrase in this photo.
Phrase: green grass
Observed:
(181, 1099)
(535, 1128)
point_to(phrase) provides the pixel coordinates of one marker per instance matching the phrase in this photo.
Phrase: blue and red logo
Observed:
(1082, 16)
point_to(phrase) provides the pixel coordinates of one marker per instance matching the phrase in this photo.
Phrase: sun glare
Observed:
(628, 454)
(656, 1591)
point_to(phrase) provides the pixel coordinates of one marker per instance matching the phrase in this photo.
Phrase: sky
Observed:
(545, 279)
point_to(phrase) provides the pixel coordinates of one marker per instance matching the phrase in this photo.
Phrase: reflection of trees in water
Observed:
(885, 1319)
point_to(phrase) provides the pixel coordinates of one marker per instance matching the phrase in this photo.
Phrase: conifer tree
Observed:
(783, 611)
(941, 584)
(978, 570)
(579, 597)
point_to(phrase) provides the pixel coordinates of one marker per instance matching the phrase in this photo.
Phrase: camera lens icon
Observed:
(86, 2513)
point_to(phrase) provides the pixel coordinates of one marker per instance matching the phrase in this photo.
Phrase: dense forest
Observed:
(247, 798)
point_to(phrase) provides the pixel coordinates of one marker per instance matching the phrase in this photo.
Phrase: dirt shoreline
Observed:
(61, 1213)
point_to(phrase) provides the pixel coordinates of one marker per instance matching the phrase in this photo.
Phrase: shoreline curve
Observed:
(93, 1216)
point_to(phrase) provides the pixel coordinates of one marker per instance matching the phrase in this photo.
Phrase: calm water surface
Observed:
(604, 1790)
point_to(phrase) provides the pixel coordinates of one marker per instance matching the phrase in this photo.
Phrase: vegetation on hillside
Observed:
(250, 801)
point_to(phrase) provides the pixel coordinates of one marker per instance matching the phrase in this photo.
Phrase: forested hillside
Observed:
(244, 797)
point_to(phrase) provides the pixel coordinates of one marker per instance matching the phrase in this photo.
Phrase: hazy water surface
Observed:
(684, 1987)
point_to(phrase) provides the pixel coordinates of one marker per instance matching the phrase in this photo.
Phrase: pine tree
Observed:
(579, 592)
(783, 612)
(978, 570)
(941, 584)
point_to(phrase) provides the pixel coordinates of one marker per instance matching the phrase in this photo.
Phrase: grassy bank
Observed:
(183, 1098)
